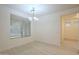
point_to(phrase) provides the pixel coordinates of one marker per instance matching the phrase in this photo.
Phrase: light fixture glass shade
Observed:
(67, 24)
(34, 18)
(77, 15)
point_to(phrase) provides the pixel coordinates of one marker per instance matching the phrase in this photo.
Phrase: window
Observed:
(19, 27)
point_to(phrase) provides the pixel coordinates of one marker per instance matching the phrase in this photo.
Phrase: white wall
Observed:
(5, 41)
(48, 27)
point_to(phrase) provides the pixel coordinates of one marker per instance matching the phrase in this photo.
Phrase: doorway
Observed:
(70, 31)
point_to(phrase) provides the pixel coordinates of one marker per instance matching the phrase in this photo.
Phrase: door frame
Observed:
(63, 17)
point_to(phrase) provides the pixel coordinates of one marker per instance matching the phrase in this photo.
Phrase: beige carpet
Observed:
(38, 48)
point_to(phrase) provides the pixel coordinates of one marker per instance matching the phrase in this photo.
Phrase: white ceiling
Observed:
(41, 9)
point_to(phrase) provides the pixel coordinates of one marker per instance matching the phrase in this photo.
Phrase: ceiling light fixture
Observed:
(77, 15)
(33, 18)
(67, 24)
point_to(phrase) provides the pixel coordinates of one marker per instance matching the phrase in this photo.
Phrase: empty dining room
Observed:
(39, 29)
